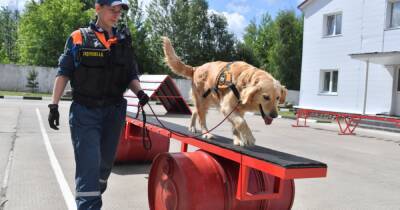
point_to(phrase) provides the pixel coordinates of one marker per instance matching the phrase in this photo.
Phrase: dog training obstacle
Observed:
(163, 89)
(347, 122)
(220, 176)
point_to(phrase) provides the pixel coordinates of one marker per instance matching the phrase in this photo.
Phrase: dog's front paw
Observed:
(249, 140)
(238, 142)
(208, 136)
(192, 129)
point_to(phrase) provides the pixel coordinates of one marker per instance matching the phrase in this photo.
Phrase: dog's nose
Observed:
(273, 114)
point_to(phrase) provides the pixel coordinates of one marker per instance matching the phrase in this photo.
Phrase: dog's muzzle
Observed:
(268, 118)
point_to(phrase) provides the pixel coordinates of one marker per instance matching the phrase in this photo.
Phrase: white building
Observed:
(351, 56)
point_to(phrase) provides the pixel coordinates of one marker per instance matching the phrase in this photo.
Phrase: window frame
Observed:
(389, 14)
(325, 25)
(322, 82)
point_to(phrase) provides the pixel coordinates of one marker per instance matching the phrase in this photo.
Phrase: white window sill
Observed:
(327, 94)
(332, 36)
(393, 28)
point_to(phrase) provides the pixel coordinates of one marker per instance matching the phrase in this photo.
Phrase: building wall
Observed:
(363, 30)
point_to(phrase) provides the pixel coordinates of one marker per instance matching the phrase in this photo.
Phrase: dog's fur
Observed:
(256, 87)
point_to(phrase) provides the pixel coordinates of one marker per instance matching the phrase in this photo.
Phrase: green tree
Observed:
(148, 62)
(286, 52)
(244, 53)
(260, 39)
(32, 82)
(45, 26)
(276, 46)
(87, 4)
(198, 36)
(8, 35)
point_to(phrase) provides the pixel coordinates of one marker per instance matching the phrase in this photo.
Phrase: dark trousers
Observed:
(95, 134)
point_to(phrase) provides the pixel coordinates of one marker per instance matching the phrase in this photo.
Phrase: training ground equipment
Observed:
(163, 89)
(218, 176)
(349, 120)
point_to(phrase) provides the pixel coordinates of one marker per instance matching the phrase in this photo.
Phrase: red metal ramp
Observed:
(163, 89)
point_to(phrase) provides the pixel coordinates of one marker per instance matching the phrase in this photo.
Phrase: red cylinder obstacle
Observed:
(131, 149)
(199, 181)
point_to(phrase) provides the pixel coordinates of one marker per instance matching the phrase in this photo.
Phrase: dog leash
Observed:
(194, 136)
(147, 145)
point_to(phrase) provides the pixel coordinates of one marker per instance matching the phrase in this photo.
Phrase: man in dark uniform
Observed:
(99, 62)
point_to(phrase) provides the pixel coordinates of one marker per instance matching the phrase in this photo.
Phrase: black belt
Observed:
(92, 102)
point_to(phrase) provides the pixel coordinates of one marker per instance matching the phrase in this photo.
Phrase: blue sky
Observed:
(238, 12)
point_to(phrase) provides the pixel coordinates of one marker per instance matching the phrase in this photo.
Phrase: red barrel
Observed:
(198, 181)
(130, 148)
(258, 182)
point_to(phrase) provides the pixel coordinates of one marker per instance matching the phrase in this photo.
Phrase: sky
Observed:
(238, 13)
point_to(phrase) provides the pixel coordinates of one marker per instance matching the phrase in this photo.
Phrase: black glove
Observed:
(143, 98)
(54, 116)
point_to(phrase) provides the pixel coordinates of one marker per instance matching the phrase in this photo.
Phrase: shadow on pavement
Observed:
(131, 168)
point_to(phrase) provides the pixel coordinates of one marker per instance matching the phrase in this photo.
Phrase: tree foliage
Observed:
(286, 52)
(8, 35)
(198, 35)
(45, 26)
(277, 46)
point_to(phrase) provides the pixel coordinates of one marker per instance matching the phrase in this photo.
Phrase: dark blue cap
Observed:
(114, 3)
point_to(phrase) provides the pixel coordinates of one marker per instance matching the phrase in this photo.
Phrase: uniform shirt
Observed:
(68, 61)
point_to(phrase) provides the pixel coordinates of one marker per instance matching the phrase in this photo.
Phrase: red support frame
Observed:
(301, 113)
(347, 122)
(245, 162)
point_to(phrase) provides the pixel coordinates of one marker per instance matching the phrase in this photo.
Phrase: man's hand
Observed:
(143, 97)
(54, 116)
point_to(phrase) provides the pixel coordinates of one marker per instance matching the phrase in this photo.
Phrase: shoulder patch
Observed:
(77, 37)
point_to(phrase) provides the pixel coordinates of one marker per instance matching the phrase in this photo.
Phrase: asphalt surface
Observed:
(363, 170)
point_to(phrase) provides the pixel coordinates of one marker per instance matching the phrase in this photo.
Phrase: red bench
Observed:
(347, 122)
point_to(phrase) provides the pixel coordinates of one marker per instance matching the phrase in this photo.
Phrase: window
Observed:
(333, 24)
(329, 81)
(394, 13)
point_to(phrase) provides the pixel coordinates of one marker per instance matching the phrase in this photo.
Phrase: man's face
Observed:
(109, 14)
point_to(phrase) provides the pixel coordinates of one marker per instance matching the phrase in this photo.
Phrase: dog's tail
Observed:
(174, 62)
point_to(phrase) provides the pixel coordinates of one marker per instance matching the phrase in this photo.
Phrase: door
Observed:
(397, 94)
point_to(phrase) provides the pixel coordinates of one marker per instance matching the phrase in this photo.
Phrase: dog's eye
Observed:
(267, 98)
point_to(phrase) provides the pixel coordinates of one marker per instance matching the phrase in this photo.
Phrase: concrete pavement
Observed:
(363, 170)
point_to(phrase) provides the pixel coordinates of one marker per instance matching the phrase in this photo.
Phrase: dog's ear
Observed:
(249, 93)
(284, 92)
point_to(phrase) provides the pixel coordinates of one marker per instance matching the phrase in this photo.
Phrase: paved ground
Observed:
(363, 170)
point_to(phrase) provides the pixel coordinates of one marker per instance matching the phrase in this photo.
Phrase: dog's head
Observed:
(264, 94)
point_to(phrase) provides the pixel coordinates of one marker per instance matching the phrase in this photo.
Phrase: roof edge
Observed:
(303, 4)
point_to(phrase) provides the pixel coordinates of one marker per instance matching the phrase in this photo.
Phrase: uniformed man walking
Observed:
(99, 63)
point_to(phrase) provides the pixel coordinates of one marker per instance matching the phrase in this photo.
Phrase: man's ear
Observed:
(284, 92)
(249, 93)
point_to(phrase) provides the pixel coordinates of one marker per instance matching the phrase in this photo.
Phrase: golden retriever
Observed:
(259, 92)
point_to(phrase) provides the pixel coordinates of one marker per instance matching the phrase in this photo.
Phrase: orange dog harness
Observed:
(224, 80)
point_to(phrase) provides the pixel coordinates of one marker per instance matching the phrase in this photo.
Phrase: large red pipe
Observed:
(199, 181)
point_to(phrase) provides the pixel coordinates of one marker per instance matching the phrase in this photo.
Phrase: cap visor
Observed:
(123, 5)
